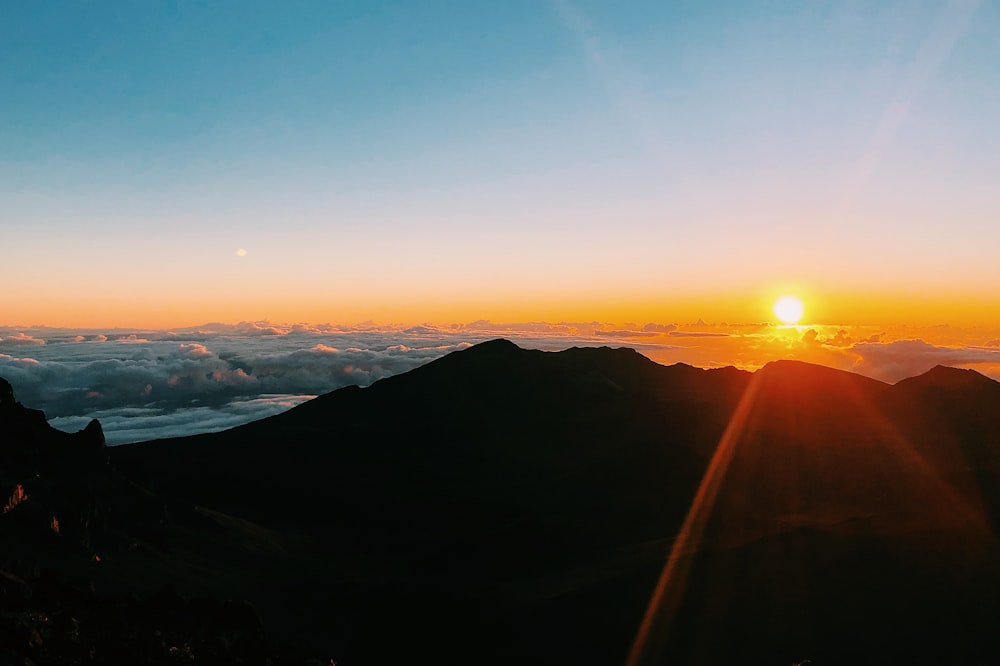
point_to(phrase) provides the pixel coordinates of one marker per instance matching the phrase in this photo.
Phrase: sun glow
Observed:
(789, 309)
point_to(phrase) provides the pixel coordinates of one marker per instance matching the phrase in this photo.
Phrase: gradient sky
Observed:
(433, 161)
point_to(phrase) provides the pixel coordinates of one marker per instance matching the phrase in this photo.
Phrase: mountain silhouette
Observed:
(503, 504)
(71, 528)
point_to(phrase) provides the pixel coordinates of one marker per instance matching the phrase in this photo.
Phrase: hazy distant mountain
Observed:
(502, 505)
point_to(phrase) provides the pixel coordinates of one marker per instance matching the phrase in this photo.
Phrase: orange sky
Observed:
(125, 304)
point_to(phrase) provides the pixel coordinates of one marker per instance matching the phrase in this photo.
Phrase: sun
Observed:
(789, 309)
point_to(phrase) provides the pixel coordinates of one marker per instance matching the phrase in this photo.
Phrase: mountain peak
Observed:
(947, 377)
(794, 369)
(802, 376)
(495, 346)
(490, 352)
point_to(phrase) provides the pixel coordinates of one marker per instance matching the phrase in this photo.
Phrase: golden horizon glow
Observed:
(242, 295)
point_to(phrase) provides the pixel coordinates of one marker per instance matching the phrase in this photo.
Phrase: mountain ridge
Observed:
(502, 503)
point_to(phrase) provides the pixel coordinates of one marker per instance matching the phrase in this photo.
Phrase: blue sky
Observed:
(385, 152)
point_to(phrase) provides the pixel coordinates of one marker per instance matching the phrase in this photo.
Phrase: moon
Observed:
(789, 309)
(242, 252)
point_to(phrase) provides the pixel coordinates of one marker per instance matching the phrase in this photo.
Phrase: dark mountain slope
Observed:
(503, 504)
(837, 537)
(57, 485)
(516, 429)
(818, 446)
(951, 417)
(70, 526)
(445, 486)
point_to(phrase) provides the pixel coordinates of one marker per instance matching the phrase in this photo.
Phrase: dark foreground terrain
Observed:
(502, 505)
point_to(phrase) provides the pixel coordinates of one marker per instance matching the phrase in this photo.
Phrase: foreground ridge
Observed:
(70, 528)
(502, 503)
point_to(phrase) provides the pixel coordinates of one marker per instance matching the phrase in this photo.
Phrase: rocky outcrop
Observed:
(66, 515)
(29, 445)
(58, 485)
(52, 622)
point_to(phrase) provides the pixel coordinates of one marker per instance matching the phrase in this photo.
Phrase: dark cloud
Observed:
(660, 328)
(840, 339)
(242, 329)
(536, 327)
(423, 330)
(627, 334)
(252, 328)
(132, 338)
(697, 334)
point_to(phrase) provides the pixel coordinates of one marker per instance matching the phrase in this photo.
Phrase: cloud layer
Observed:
(153, 384)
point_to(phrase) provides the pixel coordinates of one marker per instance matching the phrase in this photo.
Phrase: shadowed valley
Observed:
(504, 504)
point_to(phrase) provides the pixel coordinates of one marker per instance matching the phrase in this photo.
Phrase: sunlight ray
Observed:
(964, 510)
(670, 586)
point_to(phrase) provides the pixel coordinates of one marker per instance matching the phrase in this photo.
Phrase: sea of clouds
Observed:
(145, 385)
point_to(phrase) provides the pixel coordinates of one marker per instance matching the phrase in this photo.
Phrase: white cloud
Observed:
(170, 380)
(164, 383)
(899, 359)
(143, 384)
(130, 338)
(139, 424)
(194, 350)
(20, 340)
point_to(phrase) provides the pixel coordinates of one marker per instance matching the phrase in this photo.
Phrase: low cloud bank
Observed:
(20, 340)
(155, 384)
(907, 358)
(138, 424)
(161, 389)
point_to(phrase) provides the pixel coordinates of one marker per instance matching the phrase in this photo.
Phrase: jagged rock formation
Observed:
(67, 517)
(60, 485)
